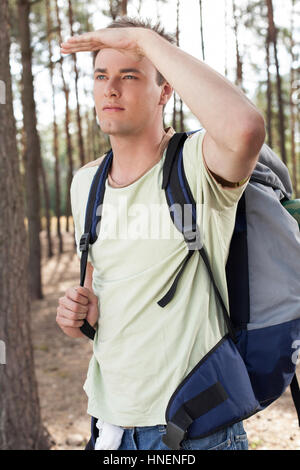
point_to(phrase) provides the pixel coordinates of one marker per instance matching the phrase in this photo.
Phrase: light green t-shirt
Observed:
(141, 351)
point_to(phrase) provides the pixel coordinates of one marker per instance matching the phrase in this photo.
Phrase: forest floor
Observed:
(61, 365)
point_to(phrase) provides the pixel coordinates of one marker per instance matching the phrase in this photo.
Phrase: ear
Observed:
(166, 93)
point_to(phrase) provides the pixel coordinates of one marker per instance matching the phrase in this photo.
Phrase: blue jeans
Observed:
(150, 438)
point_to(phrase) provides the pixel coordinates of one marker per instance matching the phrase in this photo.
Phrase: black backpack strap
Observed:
(182, 215)
(237, 269)
(182, 208)
(175, 143)
(295, 392)
(205, 401)
(92, 220)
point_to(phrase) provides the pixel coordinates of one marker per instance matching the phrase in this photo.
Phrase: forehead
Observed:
(113, 61)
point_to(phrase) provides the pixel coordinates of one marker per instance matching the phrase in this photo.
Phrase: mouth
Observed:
(113, 109)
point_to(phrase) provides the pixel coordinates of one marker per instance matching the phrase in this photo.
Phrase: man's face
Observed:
(128, 83)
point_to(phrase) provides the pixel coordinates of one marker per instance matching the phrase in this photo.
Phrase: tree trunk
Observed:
(273, 36)
(201, 30)
(96, 135)
(20, 419)
(124, 7)
(32, 154)
(47, 208)
(78, 114)
(113, 10)
(157, 12)
(117, 8)
(226, 42)
(269, 93)
(239, 63)
(89, 138)
(174, 120)
(140, 7)
(67, 126)
(181, 117)
(292, 104)
(178, 43)
(55, 131)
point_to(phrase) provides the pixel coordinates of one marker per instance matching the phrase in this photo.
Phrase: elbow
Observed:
(252, 137)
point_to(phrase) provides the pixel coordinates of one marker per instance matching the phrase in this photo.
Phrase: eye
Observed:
(131, 76)
(98, 76)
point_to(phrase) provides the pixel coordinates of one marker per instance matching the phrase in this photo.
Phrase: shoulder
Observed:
(192, 157)
(81, 181)
(86, 172)
(193, 144)
(93, 163)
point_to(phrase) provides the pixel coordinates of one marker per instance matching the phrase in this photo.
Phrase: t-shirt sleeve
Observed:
(206, 187)
(77, 214)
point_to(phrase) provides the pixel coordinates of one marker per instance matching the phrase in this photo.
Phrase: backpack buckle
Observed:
(192, 237)
(84, 242)
(174, 436)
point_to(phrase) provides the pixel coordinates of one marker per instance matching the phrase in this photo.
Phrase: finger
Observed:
(80, 39)
(76, 295)
(90, 44)
(74, 306)
(78, 49)
(64, 312)
(70, 323)
(67, 45)
(84, 291)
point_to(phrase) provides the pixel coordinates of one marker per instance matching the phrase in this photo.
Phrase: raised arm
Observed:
(235, 129)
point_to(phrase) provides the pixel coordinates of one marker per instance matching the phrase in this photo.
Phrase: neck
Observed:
(135, 154)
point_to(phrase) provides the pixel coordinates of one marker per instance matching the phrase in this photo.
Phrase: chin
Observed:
(115, 128)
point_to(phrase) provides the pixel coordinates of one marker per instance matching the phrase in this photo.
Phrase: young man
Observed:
(141, 351)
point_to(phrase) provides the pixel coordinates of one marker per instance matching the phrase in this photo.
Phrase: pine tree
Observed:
(32, 152)
(21, 427)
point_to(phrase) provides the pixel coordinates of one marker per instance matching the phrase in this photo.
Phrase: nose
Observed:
(111, 90)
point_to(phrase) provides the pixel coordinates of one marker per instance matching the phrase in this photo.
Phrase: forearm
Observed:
(223, 110)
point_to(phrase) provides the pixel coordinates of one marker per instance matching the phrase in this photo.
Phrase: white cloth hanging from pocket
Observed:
(110, 436)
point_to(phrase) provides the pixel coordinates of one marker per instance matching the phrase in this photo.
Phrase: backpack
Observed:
(253, 364)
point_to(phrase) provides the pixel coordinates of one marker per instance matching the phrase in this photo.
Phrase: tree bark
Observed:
(181, 116)
(201, 30)
(55, 131)
(124, 7)
(239, 63)
(269, 93)
(20, 419)
(292, 104)
(67, 126)
(113, 10)
(140, 7)
(226, 41)
(78, 114)
(47, 208)
(281, 123)
(32, 154)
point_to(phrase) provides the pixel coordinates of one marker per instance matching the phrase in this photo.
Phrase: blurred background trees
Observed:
(57, 130)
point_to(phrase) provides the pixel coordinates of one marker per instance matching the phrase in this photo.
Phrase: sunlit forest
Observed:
(49, 129)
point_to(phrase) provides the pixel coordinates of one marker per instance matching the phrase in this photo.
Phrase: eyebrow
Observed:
(121, 70)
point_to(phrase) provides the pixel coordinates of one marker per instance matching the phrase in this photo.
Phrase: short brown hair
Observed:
(134, 22)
